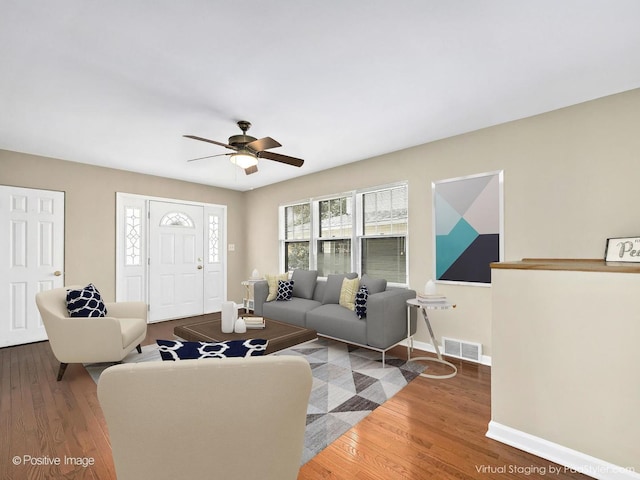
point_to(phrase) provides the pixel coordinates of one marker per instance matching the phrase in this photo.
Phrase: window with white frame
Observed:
(383, 238)
(362, 231)
(333, 252)
(297, 236)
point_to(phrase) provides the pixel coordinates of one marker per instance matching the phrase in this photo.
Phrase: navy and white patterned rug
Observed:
(348, 384)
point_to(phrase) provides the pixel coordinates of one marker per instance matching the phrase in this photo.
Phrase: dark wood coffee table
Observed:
(280, 335)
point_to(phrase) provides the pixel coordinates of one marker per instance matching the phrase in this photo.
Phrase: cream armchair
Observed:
(232, 418)
(91, 340)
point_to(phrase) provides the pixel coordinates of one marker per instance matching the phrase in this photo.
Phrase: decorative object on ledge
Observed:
(624, 249)
(468, 226)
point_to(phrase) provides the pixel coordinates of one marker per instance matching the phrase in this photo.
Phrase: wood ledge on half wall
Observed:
(569, 264)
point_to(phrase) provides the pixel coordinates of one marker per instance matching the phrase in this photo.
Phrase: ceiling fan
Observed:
(248, 149)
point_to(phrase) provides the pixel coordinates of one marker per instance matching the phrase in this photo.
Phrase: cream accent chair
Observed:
(233, 418)
(91, 340)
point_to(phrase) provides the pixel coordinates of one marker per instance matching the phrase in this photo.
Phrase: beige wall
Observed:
(90, 198)
(570, 182)
(565, 363)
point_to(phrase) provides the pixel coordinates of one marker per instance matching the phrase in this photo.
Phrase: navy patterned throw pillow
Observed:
(181, 350)
(285, 289)
(361, 301)
(85, 302)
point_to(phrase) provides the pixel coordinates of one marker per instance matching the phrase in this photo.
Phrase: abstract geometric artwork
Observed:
(468, 227)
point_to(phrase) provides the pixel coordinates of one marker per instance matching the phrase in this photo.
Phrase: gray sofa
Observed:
(315, 304)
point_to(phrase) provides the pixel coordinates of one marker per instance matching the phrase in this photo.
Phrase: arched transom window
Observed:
(177, 219)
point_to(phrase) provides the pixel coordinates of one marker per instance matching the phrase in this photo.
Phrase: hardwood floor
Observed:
(430, 429)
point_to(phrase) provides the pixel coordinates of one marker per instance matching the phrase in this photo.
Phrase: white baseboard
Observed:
(427, 347)
(571, 460)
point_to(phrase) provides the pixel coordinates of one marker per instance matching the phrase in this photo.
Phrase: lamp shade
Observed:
(243, 159)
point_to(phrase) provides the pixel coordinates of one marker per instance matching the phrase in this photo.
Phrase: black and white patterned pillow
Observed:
(85, 302)
(285, 289)
(182, 350)
(361, 301)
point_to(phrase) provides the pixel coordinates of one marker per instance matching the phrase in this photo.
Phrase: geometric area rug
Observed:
(348, 384)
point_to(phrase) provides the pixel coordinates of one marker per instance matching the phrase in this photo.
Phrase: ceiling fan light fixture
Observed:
(243, 159)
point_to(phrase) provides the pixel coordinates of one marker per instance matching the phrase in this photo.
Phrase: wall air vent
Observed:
(465, 350)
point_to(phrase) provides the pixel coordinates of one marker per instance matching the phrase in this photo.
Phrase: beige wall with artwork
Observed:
(570, 181)
(90, 197)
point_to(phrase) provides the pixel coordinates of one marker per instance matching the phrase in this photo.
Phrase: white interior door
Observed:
(32, 243)
(176, 260)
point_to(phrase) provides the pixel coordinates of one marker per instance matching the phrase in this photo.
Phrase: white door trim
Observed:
(132, 281)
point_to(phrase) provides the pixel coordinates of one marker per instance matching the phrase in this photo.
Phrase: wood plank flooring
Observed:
(430, 429)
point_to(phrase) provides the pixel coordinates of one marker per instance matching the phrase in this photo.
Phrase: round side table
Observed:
(423, 307)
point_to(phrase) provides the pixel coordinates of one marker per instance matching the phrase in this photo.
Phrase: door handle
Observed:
(57, 273)
(199, 267)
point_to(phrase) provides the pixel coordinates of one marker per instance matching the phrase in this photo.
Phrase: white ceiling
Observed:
(117, 83)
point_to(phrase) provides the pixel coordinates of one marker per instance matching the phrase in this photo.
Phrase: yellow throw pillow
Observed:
(348, 293)
(272, 280)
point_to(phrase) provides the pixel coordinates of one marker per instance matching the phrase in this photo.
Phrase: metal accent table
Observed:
(423, 307)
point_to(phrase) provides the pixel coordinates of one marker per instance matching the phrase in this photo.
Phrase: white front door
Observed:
(176, 260)
(32, 260)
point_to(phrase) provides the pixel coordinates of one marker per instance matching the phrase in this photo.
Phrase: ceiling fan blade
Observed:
(263, 144)
(250, 170)
(208, 156)
(296, 162)
(210, 141)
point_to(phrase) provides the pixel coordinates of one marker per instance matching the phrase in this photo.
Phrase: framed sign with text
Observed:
(624, 249)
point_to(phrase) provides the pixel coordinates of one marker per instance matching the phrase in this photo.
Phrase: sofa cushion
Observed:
(374, 285)
(305, 283)
(338, 322)
(285, 289)
(334, 286)
(272, 280)
(361, 301)
(85, 302)
(293, 311)
(181, 350)
(348, 293)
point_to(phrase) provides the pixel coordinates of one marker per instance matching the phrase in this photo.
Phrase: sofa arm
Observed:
(127, 309)
(260, 294)
(82, 339)
(387, 317)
